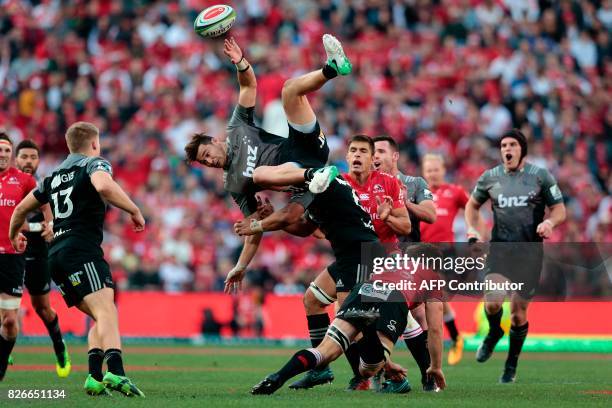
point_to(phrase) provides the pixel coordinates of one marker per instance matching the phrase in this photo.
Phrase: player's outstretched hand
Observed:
(545, 229)
(138, 221)
(384, 207)
(438, 377)
(394, 371)
(233, 281)
(264, 208)
(20, 242)
(232, 50)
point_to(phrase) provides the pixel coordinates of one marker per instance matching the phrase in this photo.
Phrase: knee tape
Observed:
(321, 295)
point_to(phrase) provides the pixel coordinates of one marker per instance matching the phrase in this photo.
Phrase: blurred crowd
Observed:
(445, 76)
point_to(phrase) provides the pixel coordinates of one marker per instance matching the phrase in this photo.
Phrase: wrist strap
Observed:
(242, 65)
(256, 226)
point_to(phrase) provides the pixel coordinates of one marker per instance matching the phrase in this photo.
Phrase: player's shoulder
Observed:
(19, 175)
(496, 171)
(536, 170)
(380, 176)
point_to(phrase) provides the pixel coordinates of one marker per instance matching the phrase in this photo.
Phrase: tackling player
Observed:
(346, 225)
(377, 191)
(420, 206)
(519, 193)
(448, 200)
(14, 186)
(77, 191)
(253, 159)
(37, 278)
(380, 315)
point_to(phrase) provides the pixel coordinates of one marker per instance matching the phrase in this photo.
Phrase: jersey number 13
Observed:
(66, 203)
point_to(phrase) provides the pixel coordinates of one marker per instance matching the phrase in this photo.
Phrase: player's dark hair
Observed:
(5, 136)
(191, 149)
(364, 139)
(519, 137)
(79, 134)
(389, 139)
(27, 144)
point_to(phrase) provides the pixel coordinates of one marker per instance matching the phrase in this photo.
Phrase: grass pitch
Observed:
(222, 377)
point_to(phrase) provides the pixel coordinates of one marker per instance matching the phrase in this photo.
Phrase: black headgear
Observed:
(519, 137)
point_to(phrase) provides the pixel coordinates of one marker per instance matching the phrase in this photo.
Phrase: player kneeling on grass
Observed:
(77, 191)
(380, 315)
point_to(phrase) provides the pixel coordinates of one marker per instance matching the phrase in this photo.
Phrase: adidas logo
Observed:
(339, 283)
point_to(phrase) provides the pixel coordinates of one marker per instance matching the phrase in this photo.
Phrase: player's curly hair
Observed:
(191, 149)
(27, 144)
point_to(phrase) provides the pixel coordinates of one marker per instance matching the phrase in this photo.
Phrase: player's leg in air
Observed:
(309, 142)
(455, 353)
(494, 301)
(37, 281)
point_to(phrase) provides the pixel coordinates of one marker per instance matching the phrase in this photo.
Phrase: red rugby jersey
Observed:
(448, 198)
(378, 184)
(14, 186)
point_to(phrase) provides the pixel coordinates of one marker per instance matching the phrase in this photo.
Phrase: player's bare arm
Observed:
(112, 192)
(434, 314)
(556, 217)
(27, 205)
(245, 73)
(425, 211)
(396, 218)
(473, 220)
(278, 220)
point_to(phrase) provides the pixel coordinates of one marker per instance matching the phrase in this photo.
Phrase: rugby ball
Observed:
(214, 21)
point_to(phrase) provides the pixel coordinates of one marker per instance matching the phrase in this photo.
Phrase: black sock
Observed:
(309, 173)
(495, 322)
(95, 357)
(418, 348)
(6, 347)
(56, 337)
(452, 329)
(301, 361)
(517, 338)
(114, 362)
(352, 355)
(317, 327)
(329, 72)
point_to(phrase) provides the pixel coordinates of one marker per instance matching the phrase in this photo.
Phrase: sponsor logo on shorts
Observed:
(18, 290)
(339, 283)
(391, 326)
(75, 278)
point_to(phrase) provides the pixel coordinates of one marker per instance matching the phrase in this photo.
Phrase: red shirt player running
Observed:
(379, 193)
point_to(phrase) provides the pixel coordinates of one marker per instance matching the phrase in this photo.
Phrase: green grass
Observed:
(222, 376)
